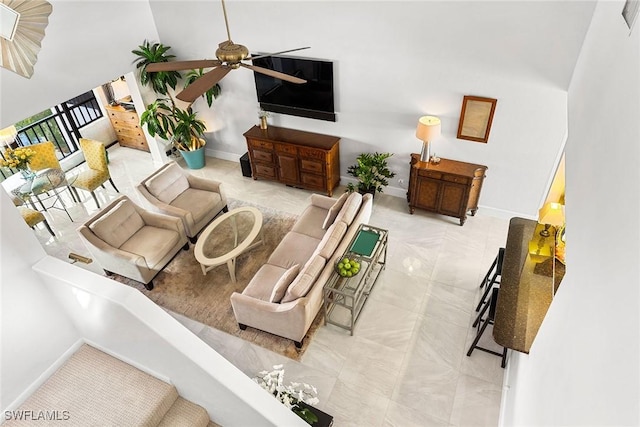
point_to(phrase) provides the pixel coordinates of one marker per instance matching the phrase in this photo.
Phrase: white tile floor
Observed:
(406, 363)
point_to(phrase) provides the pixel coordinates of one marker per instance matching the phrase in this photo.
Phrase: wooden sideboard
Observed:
(126, 123)
(296, 158)
(449, 188)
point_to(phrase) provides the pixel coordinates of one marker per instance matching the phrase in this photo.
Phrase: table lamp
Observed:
(8, 136)
(551, 213)
(428, 129)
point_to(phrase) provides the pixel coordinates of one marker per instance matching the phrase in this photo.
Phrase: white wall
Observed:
(86, 44)
(395, 61)
(34, 330)
(583, 368)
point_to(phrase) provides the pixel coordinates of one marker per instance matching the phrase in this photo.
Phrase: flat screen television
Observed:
(313, 99)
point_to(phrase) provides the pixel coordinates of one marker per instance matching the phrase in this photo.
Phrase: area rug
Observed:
(182, 288)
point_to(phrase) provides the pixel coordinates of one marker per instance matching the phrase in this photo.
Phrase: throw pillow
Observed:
(118, 224)
(350, 208)
(334, 210)
(168, 184)
(305, 280)
(283, 283)
(331, 239)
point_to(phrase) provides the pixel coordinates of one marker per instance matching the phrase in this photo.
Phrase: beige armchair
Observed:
(131, 241)
(172, 191)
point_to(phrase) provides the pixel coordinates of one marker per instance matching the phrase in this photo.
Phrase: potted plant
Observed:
(181, 127)
(372, 173)
(163, 117)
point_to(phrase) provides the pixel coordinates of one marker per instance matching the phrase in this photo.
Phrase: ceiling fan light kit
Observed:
(229, 57)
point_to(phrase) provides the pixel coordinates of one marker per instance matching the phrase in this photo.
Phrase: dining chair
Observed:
(45, 161)
(31, 216)
(45, 156)
(95, 155)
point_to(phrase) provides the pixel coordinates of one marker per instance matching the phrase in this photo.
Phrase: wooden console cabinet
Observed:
(448, 188)
(296, 158)
(127, 126)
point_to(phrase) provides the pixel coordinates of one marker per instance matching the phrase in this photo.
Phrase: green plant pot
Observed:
(194, 159)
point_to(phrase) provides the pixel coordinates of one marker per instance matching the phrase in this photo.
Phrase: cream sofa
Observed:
(286, 293)
(172, 191)
(131, 241)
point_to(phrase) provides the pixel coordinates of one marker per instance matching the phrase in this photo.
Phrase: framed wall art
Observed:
(475, 118)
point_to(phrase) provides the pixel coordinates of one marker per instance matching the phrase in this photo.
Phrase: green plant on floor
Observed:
(181, 127)
(163, 117)
(372, 172)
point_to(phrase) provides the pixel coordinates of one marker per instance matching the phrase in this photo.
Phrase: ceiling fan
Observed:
(230, 56)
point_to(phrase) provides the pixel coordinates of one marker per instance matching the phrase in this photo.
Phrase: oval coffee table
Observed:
(228, 236)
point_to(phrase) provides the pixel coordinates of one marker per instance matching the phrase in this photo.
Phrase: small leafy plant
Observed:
(372, 172)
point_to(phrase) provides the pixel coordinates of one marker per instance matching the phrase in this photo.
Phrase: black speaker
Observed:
(245, 165)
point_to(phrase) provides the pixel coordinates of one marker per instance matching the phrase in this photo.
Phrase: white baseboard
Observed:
(389, 190)
(44, 376)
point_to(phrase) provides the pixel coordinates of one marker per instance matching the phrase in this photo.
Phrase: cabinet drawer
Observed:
(455, 178)
(131, 132)
(261, 144)
(311, 153)
(265, 171)
(127, 141)
(128, 117)
(262, 156)
(121, 124)
(310, 180)
(311, 165)
(282, 148)
(430, 174)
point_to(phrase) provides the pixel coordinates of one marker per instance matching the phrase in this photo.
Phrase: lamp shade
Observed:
(428, 128)
(551, 213)
(8, 135)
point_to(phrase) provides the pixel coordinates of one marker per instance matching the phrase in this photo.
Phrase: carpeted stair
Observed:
(95, 389)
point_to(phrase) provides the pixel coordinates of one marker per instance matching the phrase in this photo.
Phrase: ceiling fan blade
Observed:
(276, 74)
(276, 53)
(203, 84)
(182, 65)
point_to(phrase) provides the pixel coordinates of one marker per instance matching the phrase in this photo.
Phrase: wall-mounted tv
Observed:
(313, 99)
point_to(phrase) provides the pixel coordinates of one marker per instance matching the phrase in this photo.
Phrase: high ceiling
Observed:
(535, 39)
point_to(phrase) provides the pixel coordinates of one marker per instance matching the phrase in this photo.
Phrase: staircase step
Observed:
(97, 389)
(185, 414)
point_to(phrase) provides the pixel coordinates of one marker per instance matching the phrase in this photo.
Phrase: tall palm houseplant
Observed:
(164, 117)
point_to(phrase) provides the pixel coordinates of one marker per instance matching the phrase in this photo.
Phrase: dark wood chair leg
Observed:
(225, 209)
(193, 240)
(95, 199)
(299, 343)
(46, 224)
(113, 185)
(242, 326)
(185, 247)
(149, 285)
(73, 196)
(108, 273)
